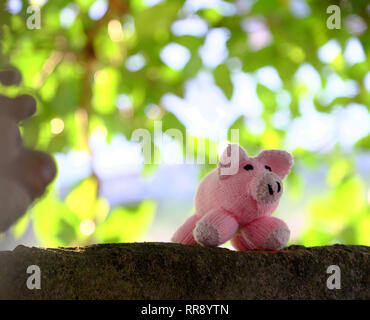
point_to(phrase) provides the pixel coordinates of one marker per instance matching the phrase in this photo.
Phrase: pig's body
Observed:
(238, 206)
(211, 195)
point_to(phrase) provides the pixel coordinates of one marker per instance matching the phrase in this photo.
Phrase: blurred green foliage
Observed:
(77, 71)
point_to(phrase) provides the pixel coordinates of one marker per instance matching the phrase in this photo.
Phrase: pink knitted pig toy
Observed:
(236, 200)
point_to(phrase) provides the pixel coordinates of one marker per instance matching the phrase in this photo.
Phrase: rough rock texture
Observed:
(173, 271)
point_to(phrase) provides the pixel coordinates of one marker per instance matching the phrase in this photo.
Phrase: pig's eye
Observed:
(248, 167)
(268, 168)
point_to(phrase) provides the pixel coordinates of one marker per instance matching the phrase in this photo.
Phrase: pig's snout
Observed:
(268, 188)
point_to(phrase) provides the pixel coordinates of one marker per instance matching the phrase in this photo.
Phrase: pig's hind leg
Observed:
(184, 234)
(266, 233)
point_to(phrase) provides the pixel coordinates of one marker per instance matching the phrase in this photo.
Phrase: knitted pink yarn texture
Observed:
(235, 202)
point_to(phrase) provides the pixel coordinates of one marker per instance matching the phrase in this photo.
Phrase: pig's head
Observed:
(260, 177)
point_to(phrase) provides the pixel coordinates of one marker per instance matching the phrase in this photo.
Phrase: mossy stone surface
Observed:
(173, 271)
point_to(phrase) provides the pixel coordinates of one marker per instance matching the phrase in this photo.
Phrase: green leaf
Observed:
(82, 199)
(123, 225)
(66, 232)
(363, 143)
(47, 215)
(268, 98)
(222, 77)
(105, 90)
(160, 17)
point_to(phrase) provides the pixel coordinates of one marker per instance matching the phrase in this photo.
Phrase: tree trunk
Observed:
(173, 271)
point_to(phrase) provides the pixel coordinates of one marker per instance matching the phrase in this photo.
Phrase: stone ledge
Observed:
(173, 271)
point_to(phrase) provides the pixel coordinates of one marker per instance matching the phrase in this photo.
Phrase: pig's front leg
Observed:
(266, 233)
(184, 234)
(215, 228)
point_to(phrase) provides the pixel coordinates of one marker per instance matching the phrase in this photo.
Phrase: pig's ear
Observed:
(279, 161)
(230, 160)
